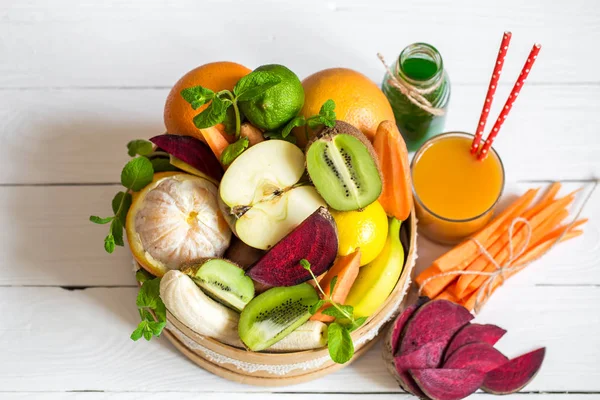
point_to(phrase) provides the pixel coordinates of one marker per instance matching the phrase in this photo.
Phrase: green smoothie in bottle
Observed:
(420, 107)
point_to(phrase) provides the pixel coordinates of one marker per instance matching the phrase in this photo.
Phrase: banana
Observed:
(376, 280)
(197, 311)
(311, 335)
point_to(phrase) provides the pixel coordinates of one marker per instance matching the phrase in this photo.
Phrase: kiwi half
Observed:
(224, 281)
(342, 164)
(274, 314)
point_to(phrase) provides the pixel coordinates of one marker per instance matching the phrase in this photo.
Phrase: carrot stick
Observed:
(544, 201)
(461, 256)
(215, 140)
(500, 250)
(445, 295)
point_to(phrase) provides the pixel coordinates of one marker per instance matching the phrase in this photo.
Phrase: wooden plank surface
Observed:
(79, 340)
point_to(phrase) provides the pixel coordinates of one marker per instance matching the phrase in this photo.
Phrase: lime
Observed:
(366, 229)
(278, 104)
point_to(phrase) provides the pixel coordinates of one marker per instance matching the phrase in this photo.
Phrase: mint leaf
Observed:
(332, 285)
(139, 331)
(109, 243)
(316, 307)
(197, 96)
(342, 313)
(139, 146)
(232, 151)
(119, 209)
(305, 264)
(254, 84)
(297, 121)
(97, 220)
(162, 165)
(116, 228)
(149, 294)
(341, 348)
(358, 322)
(214, 114)
(156, 327)
(229, 121)
(142, 275)
(137, 173)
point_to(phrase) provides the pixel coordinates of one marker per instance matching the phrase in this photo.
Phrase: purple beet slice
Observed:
(191, 151)
(437, 320)
(480, 357)
(475, 333)
(515, 374)
(400, 323)
(315, 240)
(447, 384)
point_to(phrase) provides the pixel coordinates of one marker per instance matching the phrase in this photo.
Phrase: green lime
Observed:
(278, 104)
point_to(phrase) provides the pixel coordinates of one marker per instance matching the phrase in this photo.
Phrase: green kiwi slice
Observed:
(224, 281)
(342, 164)
(274, 314)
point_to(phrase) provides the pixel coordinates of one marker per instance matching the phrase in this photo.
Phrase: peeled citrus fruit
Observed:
(175, 221)
(366, 229)
(358, 100)
(215, 76)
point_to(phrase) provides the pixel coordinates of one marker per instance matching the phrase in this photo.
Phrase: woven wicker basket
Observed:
(280, 369)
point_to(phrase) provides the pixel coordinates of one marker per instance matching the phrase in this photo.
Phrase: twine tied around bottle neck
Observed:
(414, 94)
(501, 271)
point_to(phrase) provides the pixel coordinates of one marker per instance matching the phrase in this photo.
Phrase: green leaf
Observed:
(139, 146)
(327, 108)
(214, 114)
(124, 197)
(316, 307)
(156, 327)
(229, 121)
(254, 84)
(305, 264)
(139, 331)
(332, 284)
(162, 165)
(232, 151)
(197, 96)
(116, 228)
(97, 220)
(109, 243)
(341, 348)
(147, 333)
(137, 173)
(343, 312)
(358, 322)
(297, 121)
(142, 275)
(314, 122)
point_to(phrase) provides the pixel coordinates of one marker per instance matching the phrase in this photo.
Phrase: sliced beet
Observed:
(481, 357)
(400, 323)
(515, 374)
(447, 384)
(191, 151)
(474, 333)
(437, 320)
(315, 240)
(427, 356)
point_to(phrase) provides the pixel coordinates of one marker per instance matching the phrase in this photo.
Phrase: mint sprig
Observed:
(148, 301)
(326, 116)
(339, 341)
(136, 174)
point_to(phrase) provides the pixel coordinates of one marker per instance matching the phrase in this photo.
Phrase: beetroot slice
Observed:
(474, 333)
(437, 320)
(481, 357)
(401, 320)
(427, 356)
(515, 374)
(192, 151)
(315, 240)
(447, 384)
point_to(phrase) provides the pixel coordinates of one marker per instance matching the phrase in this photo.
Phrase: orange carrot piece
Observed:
(543, 202)
(346, 269)
(500, 249)
(446, 295)
(396, 194)
(215, 140)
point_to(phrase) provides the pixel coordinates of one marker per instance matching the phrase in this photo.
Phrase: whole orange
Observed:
(358, 100)
(179, 114)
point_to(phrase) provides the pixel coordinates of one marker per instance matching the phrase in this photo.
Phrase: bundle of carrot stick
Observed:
(545, 226)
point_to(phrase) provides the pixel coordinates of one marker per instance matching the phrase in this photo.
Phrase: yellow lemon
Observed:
(366, 229)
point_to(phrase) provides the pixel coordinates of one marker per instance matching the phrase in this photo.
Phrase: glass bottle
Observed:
(420, 68)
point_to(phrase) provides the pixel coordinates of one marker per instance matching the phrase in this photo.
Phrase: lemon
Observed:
(278, 104)
(366, 229)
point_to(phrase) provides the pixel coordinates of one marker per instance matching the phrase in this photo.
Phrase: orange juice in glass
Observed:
(455, 194)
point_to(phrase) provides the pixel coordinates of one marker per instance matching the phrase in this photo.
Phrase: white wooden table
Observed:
(78, 81)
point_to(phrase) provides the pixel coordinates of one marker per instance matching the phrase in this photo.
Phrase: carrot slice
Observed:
(396, 195)
(215, 140)
(346, 269)
(446, 295)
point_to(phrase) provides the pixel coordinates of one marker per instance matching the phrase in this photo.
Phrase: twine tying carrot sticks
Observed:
(414, 94)
(485, 290)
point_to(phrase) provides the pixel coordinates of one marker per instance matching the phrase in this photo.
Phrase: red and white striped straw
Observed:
(509, 102)
(485, 111)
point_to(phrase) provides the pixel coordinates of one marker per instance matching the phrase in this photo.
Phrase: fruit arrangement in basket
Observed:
(268, 217)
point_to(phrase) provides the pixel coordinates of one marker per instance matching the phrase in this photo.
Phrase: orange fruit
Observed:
(179, 114)
(358, 100)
